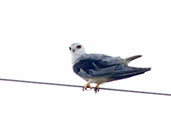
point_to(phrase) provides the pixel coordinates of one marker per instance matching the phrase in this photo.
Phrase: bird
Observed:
(101, 68)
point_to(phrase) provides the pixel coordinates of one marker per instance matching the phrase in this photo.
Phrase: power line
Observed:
(78, 86)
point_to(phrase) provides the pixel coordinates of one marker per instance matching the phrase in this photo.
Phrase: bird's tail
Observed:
(129, 59)
(128, 72)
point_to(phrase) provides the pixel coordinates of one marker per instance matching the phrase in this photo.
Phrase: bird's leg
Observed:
(87, 86)
(96, 89)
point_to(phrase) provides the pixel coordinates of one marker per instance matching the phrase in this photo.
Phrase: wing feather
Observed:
(93, 65)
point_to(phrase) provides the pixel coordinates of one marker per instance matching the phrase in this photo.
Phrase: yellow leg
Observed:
(87, 86)
(96, 89)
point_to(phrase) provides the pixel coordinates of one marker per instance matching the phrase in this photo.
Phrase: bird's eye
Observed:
(69, 48)
(79, 46)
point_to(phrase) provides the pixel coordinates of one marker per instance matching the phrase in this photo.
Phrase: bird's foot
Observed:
(96, 89)
(85, 87)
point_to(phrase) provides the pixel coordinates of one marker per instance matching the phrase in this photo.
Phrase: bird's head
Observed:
(77, 49)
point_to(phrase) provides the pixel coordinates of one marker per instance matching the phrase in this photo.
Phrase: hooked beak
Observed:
(73, 50)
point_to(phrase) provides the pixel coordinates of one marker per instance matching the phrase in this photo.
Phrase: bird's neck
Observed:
(75, 57)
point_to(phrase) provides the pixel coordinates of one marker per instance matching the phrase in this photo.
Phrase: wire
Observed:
(78, 86)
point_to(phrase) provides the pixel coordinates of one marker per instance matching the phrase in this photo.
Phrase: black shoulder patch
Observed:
(85, 65)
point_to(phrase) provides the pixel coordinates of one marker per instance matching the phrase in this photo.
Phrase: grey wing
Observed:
(106, 61)
(107, 65)
(94, 65)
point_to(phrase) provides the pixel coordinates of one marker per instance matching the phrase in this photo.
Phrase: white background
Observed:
(35, 36)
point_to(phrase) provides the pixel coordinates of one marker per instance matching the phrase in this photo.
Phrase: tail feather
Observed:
(129, 59)
(131, 71)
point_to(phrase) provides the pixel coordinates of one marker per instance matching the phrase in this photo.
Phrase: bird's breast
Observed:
(96, 80)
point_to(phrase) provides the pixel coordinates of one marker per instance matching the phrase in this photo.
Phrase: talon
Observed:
(96, 89)
(85, 87)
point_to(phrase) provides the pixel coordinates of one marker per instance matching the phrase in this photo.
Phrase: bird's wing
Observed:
(93, 65)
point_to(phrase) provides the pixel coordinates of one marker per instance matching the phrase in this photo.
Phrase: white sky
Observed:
(34, 40)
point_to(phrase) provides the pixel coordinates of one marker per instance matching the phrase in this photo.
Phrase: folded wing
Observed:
(94, 65)
(97, 65)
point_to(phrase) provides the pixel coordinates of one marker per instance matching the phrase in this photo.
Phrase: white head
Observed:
(76, 50)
